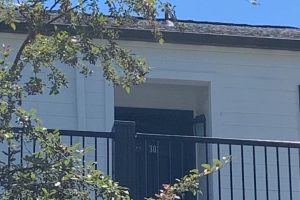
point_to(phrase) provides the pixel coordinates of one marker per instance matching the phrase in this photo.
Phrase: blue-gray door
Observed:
(160, 162)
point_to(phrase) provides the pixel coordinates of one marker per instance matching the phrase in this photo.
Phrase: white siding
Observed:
(85, 105)
(253, 92)
(81, 106)
(165, 96)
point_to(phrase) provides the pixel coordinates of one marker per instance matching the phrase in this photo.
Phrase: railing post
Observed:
(124, 156)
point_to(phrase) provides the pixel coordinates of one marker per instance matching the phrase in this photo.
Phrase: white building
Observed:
(244, 79)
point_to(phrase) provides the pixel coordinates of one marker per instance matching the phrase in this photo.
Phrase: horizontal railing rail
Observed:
(79, 133)
(216, 140)
(87, 134)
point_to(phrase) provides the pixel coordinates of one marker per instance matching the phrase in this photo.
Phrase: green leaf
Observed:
(206, 166)
(196, 171)
(151, 2)
(8, 135)
(33, 176)
(45, 191)
(218, 163)
(13, 26)
(161, 41)
(33, 111)
(67, 162)
(127, 89)
(6, 54)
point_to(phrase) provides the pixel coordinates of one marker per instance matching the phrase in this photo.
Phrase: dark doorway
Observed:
(160, 162)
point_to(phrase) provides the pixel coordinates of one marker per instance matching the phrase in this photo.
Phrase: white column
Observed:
(80, 100)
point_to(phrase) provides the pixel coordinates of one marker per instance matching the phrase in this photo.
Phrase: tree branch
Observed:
(63, 13)
(20, 51)
(53, 6)
(23, 14)
(31, 35)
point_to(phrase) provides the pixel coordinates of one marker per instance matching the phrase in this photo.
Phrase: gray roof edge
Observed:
(213, 40)
(209, 33)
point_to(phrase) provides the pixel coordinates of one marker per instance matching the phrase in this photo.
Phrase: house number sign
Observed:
(153, 148)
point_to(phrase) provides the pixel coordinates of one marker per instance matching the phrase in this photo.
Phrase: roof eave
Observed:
(194, 38)
(213, 40)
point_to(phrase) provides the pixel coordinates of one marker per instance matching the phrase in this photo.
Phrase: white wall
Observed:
(165, 96)
(85, 105)
(81, 106)
(254, 93)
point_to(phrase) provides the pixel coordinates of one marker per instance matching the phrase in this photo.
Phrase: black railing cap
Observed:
(216, 140)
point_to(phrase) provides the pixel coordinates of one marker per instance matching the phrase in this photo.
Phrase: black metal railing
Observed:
(100, 144)
(260, 169)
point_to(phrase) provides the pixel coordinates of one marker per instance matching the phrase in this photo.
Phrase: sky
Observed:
(268, 12)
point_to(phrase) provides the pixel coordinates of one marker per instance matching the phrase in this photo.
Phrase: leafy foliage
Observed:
(190, 182)
(64, 31)
(55, 172)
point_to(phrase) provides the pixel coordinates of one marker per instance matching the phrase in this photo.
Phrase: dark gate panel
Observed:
(160, 162)
(124, 155)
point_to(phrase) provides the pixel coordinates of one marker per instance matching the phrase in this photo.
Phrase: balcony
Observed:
(259, 170)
